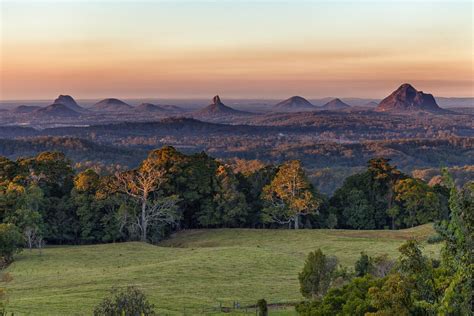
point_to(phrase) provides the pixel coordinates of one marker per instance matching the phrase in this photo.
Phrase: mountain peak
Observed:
(217, 108)
(216, 100)
(295, 103)
(68, 101)
(407, 99)
(335, 104)
(112, 104)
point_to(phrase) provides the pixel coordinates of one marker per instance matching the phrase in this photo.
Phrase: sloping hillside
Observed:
(195, 269)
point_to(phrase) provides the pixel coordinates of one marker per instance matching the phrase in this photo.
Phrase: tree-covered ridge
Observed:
(50, 202)
(408, 154)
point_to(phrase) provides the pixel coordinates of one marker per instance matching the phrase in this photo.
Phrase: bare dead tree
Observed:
(143, 185)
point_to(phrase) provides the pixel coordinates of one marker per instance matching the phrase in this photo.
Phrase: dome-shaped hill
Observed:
(335, 105)
(111, 105)
(293, 104)
(68, 101)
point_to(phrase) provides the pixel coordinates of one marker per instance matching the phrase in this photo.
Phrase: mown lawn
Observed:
(192, 271)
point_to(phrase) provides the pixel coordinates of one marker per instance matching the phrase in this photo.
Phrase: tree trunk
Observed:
(297, 221)
(143, 220)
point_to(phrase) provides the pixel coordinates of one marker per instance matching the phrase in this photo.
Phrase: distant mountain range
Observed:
(406, 99)
(65, 111)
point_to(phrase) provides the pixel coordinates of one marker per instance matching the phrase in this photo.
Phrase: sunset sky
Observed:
(93, 49)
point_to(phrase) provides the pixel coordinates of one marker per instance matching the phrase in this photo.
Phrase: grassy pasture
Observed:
(192, 271)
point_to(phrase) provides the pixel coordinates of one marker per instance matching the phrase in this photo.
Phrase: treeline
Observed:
(48, 201)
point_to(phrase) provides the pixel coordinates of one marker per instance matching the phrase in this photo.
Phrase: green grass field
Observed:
(192, 271)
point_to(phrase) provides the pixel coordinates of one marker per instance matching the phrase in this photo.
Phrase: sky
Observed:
(237, 49)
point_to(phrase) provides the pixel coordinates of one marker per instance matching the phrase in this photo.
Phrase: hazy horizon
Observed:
(247, 50)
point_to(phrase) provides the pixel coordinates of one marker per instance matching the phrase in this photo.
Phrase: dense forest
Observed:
(49, 201)
(408, 154)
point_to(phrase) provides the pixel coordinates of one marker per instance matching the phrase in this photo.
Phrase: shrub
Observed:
(130, 301)
(434, 239)
(11, 240)
(363, 265)
(262, 307)
(317, 274)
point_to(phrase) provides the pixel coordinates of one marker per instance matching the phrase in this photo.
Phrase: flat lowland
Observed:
(192, 271)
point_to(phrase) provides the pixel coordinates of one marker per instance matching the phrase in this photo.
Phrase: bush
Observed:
(11, 241)
(262, 307)
(363, 265)
(317, 275)
(434, 239)
(130, 302)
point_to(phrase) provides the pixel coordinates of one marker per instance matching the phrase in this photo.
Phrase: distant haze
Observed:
(125, 49)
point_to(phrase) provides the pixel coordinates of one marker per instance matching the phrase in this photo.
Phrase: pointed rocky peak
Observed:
(217, 108)
(216, 100)
(407, 99)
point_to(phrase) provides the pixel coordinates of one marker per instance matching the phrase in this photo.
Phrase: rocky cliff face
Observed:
(407, 99)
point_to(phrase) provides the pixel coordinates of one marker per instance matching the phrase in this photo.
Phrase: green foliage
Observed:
(419, 203)
(350, 299)
(11, 241)
(393, 297)
(96, 213)
(383, 196)
(417, 270)
(363, 266)
(251, 184)
(457, 257)
(231, 208)
(317, 275)
(130, 301)
(435, 238)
